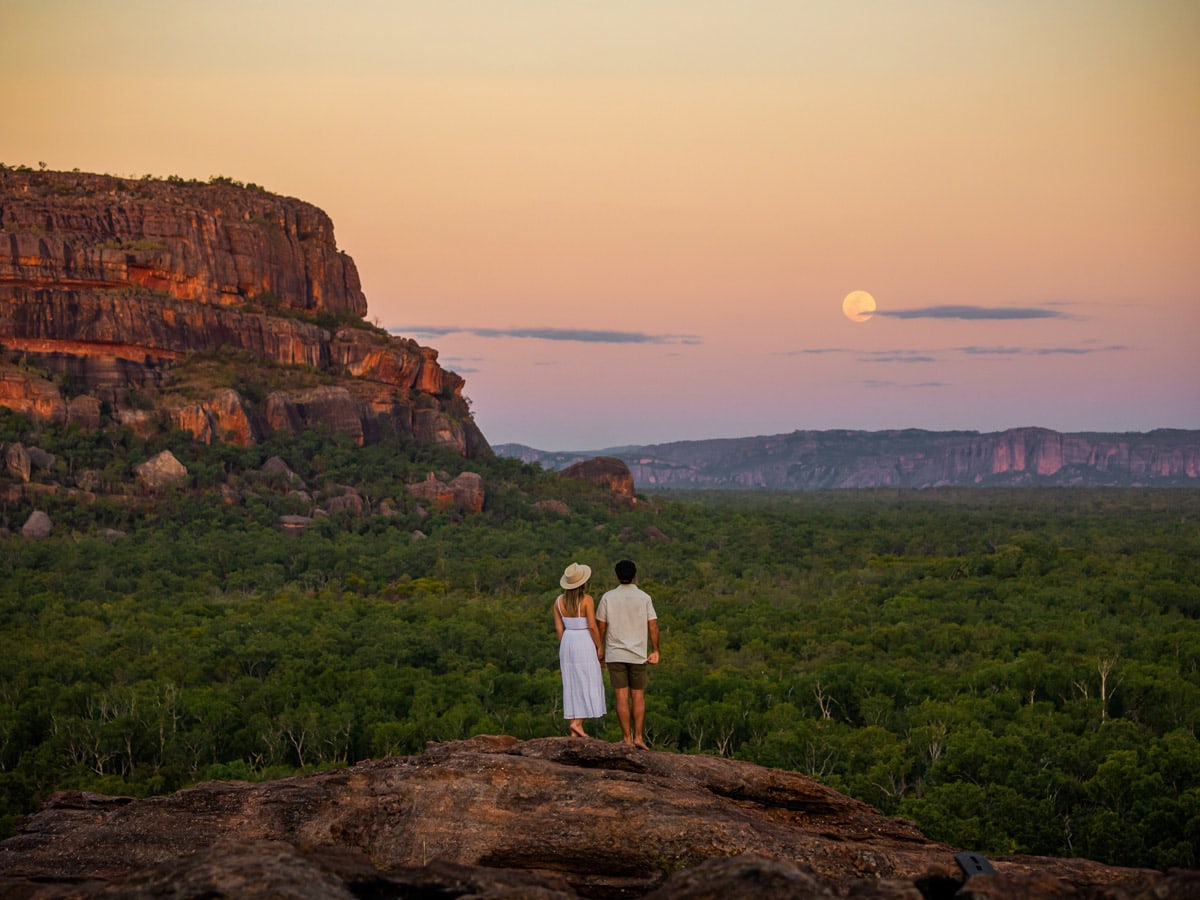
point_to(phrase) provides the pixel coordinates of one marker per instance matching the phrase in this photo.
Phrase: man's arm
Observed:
(653, 657)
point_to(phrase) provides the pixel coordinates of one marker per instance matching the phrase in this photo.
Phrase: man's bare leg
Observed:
(621, 696)
(639, 718)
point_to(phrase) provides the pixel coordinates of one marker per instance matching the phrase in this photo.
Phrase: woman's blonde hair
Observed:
(571, 599)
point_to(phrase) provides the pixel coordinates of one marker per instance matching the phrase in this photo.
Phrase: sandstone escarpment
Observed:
(216, 244)
(494, 816)
(821, 460)
(110, 284)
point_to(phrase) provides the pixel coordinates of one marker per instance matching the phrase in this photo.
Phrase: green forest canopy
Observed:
(1016, 670)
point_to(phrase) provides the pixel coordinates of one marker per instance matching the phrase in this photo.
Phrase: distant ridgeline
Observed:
(217, 308)
(822, 460)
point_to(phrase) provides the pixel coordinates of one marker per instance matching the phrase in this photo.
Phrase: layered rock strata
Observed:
(109, 284)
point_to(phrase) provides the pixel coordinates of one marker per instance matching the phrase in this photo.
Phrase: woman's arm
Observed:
(593, 629)
(558, 625)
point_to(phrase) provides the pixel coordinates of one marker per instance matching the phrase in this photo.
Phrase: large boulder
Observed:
(606, 471)
(43, 459)
(161, 471)
(468, 492)
(350, 502)
(276, 468)
(37, 527)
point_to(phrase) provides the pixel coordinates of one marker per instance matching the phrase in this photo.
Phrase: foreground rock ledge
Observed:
(499, 817)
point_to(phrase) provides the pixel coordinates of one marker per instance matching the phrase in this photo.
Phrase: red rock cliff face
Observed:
(109, 282)
(216, 244)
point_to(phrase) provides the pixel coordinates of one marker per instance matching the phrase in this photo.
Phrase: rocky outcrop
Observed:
(822, 460)
(465, 492)
(112, 284)
(278, 469)
(17, 462)
(223, 417)
(606, 471)
(432, 491)
(350, 502)
(161, 471)
(37, 527)
(468, 492)
(30, 394)
(494, 816)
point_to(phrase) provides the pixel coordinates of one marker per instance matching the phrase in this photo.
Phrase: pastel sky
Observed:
(635, 222)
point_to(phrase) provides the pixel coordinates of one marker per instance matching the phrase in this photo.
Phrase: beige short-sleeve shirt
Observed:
(625, 610)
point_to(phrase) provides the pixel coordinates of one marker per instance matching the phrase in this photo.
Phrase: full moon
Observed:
(858, 306)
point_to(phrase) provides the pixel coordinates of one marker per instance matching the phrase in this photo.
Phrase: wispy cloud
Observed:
(1050, 351)
(898, 356)
(902, 356)
(993, 351)
(581, 335)
(461, 365)
(936, 355)
(975, 312)
(878, 383)
(1040, 351)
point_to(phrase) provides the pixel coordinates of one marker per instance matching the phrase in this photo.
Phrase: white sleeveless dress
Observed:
(583, 686)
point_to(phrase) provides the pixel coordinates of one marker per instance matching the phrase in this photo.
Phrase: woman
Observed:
(579, 649)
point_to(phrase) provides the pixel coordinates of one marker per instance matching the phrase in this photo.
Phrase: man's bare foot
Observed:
(640, 744)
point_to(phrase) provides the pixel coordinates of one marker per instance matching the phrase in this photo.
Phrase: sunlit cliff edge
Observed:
(142, 301)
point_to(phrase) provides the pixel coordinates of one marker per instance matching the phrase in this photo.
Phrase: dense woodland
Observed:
(1018, 671)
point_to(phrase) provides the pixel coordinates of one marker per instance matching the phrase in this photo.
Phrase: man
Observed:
(626, 617)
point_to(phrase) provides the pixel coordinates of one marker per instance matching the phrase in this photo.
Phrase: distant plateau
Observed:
(909, 458)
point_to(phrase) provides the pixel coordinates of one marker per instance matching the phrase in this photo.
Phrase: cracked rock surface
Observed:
(494, 816)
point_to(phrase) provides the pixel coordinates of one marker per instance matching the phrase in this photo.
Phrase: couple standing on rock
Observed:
(620, 633)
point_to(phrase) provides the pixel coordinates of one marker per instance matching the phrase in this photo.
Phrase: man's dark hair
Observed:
(626, 570)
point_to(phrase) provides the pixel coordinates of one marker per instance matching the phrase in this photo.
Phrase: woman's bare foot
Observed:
(577, 730)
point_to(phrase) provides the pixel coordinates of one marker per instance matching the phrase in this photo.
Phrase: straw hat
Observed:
(575, 576)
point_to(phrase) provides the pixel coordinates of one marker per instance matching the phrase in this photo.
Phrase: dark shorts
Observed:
(628, 675)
